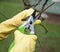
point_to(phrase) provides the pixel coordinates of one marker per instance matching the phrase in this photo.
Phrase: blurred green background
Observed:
(50, 42)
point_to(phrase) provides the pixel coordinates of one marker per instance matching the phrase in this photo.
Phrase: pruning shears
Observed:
(29, 24)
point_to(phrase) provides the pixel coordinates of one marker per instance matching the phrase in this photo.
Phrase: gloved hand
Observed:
(23, 42)
(6, 27)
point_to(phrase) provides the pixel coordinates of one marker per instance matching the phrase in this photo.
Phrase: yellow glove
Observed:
(23, 42)
(9, 25)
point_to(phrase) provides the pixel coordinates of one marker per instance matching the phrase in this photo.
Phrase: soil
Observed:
(53, 18)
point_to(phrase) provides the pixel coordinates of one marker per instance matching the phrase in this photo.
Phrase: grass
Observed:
(49, 41)
(10, 9)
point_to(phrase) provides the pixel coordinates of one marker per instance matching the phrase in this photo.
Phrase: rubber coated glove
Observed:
(23, 42)
(9, 25)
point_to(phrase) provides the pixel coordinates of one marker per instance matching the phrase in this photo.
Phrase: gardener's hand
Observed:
(9, 25)
(23, 42)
